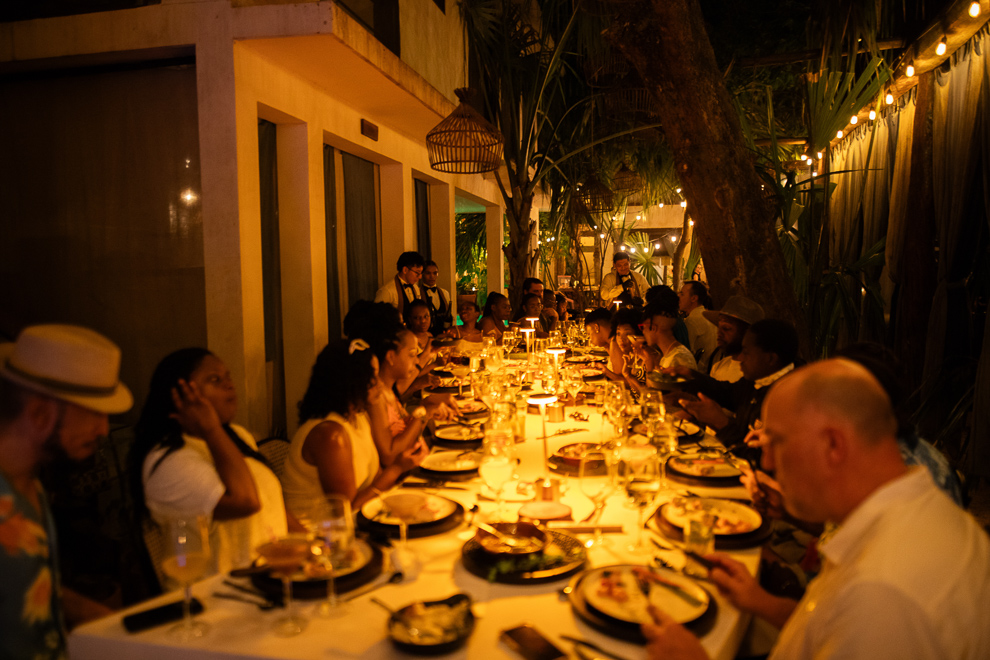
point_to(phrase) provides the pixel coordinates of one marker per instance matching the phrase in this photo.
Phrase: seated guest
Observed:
(563, 306)
(532, 308)
(334, 450)
(694, 300)
(731, 322)
(660, 350)
(497, 311)
(58, 384)
(598, 325)
(549, 316)
(404, 287)
(625, 328)
(530, 285)
(417, 317)
(769, 350)
(189, 458)
(680, 330)
(622, 279)
(469, 330)
(906, 572)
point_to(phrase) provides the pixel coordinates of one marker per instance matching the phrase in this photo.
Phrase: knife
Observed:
(644, 586)
(591, 645)
(707, 563)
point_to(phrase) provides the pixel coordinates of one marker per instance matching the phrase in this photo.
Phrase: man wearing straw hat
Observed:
(58, 384)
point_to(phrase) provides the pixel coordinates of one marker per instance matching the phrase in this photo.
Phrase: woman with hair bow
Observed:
(342, 415)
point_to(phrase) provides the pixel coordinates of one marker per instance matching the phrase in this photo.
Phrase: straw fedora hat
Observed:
(70, 363)
(738, 307)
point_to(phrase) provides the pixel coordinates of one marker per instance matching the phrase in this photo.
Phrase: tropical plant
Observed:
(471, 251)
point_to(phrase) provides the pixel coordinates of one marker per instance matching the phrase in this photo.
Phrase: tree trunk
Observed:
(517, 253)
(678, 259)
(666, 41)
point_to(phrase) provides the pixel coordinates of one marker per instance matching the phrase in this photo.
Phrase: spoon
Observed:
(510, 541)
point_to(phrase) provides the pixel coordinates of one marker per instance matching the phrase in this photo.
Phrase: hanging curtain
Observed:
(976, 461)
(846, 203)
(897, 219)
(957, 93)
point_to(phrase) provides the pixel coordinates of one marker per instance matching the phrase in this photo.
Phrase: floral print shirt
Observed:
(30, 607)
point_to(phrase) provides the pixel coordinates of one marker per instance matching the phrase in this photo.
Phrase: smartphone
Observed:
(159, 615)
(530, 643)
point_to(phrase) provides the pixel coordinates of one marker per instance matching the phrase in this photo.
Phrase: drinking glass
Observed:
(596, 488)
(459, 370)
(286, 556)
(573, 383)
(334, 526)
(187, 560)
(699, 535)
(497, 463)
(641, 473)
(652, 412)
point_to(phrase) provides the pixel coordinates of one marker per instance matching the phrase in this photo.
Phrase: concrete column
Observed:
(442, 235)
(496, 258)
(302, 244)
(398, 216)
(228, 133)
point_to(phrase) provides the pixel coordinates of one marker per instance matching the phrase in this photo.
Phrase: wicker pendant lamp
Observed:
(596, 196)
(464, 142)
(626, 181)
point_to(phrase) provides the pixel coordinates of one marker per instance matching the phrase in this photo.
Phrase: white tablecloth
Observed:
(240, 630)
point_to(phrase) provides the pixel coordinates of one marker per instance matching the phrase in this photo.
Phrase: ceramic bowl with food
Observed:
(432, 627)
(527, 539)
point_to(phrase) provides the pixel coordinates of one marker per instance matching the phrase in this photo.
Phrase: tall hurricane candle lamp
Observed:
(543, 400)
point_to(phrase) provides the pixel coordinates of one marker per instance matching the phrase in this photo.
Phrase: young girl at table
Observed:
(417, 317)
(189, 458)
(469, 331)
(625, 329)
(342, 421)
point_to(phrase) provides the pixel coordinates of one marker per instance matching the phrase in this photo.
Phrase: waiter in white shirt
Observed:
(404, 287)
(622, 279)
(438, 299)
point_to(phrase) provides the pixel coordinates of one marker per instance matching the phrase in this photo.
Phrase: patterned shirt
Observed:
(30, 606)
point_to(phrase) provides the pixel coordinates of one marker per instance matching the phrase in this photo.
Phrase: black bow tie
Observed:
(406, 285)
(431, 288)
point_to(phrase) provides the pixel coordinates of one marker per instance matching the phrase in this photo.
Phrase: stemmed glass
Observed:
(596, 488)
(497, 463)
(187, 561)
(334, 526)
(460, 371)
(652, 412)
(573, 383)
(286, 556)
(641, 473)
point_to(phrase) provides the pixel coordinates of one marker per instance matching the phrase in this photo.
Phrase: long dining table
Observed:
(433, 570)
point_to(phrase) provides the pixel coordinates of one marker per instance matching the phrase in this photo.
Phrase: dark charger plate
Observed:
(722, 541)
(317, 588)
(625, 630)
(480, 562)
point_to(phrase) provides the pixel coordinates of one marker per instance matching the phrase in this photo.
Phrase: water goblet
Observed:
(596, 488)
(497, 463)
(285, 556)
(641, 471)
(334, 526)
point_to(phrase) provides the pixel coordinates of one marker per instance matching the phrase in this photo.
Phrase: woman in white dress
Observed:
(341, 414)
(189, 458)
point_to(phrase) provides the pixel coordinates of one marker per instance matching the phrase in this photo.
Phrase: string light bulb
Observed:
(656, 246)
(803, 156)
(601, 235)
(854, 120)
(819, 155)
(673, 239)
(941, 48)
(909, 71)
(889, 99)
(873, 115)
(838, 135)
(622, 247)
(639, 217)
(678, 190)
(690, 223)
(814, 174)
(633, 250)
(683, 205)
(661, 204)
(974, 9)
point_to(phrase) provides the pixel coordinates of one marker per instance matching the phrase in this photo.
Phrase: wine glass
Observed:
(641, 477)
(459, 370)
(652, 412)
(573, 383)
(334, 526)
(596, 488)
(497, 463)
(285, 556)
(187, 560)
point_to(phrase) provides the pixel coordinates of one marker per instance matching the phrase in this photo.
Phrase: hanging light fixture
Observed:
(596, 196)
(626, 181)
(464, 142)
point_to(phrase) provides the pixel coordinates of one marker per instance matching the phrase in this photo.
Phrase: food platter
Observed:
(426, 514)
(595, 598)
(564, 555)
(470, 407)
(585, 359)
(458, 435)
(587, 373)
(659, 522)
(567, 459)
(364, 565)
(447, 463)
(731, 518)
(703, 469)
(432, 627)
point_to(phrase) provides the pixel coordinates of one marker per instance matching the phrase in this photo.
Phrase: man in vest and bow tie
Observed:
(404, 287)
(438, 299)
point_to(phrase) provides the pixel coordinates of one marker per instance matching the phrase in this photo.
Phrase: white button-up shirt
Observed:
(906, 575)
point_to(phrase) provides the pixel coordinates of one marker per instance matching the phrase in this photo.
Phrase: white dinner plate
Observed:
(414, 508)
(459, 432)
(616, 592)
(732, 517)
(451, 461)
